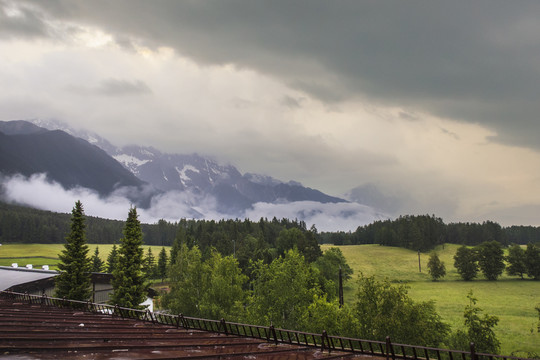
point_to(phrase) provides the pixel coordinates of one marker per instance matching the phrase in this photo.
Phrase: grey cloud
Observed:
(116, 87)
(474, 61)
(292, 102)
(20, 21)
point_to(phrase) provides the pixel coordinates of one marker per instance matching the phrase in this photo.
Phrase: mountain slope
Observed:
(67, 160)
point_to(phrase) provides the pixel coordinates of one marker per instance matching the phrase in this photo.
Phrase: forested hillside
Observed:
(26, 225)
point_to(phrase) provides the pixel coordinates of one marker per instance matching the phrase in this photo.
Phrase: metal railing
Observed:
(270, 333)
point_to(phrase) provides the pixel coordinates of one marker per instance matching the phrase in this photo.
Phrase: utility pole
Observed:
(340, 288)
(419, 264)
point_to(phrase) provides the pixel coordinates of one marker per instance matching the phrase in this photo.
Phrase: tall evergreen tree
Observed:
(112, 260)
(74, 279)
(149, 265)
(128, 282)
(96, 262)
(162, 264)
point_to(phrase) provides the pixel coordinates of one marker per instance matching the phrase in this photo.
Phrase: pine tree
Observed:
(128, 282)
(74, 279)
(97, 263)
(149, 265)
(112, 260)
(162, 264)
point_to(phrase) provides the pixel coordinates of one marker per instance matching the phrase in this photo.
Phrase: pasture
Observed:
(511, 299)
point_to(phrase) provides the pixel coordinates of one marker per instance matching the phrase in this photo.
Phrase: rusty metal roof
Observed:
(35, 331)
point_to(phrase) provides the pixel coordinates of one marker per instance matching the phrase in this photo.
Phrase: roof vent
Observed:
(45, 267)
(14, 265)
(29, 266)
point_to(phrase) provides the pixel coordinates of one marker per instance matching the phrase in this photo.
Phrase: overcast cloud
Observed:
(433, 104)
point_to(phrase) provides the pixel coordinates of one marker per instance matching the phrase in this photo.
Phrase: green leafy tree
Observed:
(384, 310)
(223, 296)
(532, 261)
(128, 282)
(328, 266)
(282, 290)
(186, 278)
(436, 267)
(162, 264)
(516, 261)
(478, 330)
(73, 282)
(97, 263)
(112, 260)
(322, 314)
(465, 262)
(149, 265)
(490, 255)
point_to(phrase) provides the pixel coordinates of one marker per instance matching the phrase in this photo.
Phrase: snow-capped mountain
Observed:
(198, 175)
(172, 186)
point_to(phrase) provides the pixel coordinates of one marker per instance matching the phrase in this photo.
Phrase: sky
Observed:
(413, 107)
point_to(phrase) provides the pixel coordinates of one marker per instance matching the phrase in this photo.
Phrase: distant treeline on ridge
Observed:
(20, 224)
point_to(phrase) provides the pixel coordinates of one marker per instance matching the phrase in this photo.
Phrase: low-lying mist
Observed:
(39, 192)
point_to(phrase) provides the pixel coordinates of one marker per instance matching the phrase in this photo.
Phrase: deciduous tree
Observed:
(478, 330)
(532, 261)
(516, 261)
(384, 310)
(490, 256)
(436, 267)
(465, 262)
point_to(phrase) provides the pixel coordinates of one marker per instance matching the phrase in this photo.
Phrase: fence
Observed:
(323, 341)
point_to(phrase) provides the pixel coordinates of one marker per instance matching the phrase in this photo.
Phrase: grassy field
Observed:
(511, 299)
(47, 254)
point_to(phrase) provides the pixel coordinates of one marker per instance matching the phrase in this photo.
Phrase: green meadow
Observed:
(47, 254)
(511, 299)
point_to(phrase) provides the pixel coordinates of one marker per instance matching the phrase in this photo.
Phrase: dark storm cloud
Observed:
(472, 61)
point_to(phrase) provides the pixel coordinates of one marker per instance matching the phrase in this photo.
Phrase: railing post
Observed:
(273, 332)
(473, 351)
(224, 324)
(389, 349)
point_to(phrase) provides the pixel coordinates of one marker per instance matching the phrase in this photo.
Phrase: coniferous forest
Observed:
(20, 224)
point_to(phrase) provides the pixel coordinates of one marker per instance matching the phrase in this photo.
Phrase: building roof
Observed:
(36, 331)
(10, 276)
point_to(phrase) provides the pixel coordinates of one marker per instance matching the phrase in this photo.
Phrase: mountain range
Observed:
(79, 158)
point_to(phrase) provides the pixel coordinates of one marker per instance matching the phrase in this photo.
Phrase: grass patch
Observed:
(511, 299)
(47, 254)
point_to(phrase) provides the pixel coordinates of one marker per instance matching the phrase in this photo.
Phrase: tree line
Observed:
(424, 232)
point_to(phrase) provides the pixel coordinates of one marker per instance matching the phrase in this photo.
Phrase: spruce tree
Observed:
(162, 264)
(128, 282)
(149, 265)
(112, 260)
(74, 279)
(97, 263)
